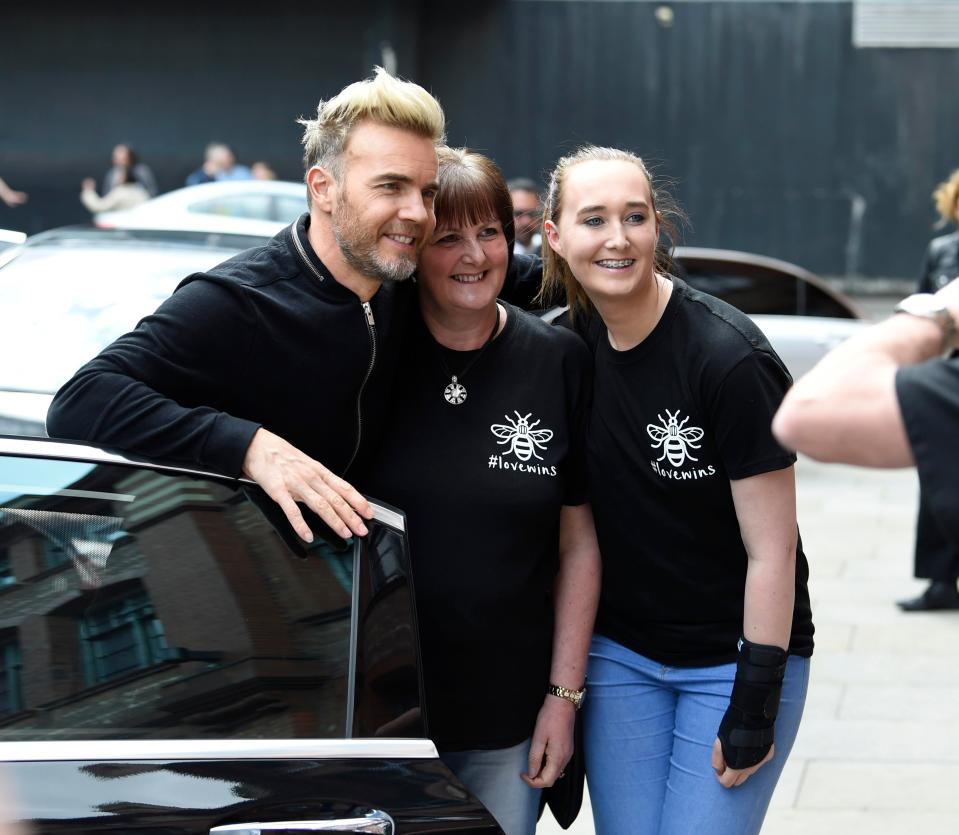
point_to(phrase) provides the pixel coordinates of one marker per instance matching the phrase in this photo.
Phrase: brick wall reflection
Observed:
(252, 640)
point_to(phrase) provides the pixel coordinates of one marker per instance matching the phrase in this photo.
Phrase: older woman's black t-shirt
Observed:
(482, 484)
(673, 421)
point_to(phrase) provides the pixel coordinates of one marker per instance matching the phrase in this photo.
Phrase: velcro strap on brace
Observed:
(754, 738)
(760, 675)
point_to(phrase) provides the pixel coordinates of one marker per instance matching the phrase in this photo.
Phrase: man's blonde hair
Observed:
(383, 99)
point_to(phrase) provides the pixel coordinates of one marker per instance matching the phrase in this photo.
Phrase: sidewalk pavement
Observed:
(878, 750)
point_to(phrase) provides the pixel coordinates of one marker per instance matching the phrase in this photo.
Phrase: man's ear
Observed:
(322, 188)
(552, 237)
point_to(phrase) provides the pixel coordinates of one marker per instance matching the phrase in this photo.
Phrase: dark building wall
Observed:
(779, 136)
(75, 79)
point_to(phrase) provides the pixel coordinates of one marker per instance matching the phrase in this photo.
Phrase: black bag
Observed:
(565, 796)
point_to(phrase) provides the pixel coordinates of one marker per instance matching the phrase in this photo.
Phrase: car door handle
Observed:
(376, 822)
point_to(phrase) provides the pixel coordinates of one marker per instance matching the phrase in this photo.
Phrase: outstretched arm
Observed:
(846, 408)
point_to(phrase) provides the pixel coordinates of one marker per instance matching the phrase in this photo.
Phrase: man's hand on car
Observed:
(289, 476)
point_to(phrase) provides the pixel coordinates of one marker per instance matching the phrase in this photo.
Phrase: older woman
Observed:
(704, 617)
(486, 455)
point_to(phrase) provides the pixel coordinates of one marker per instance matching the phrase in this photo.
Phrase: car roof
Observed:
(95, 236)
(209, 191)
(693, 254)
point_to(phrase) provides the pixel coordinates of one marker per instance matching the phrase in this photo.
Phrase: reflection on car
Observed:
(174, 659)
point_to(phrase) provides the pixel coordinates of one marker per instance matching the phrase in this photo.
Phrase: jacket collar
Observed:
(322, 279)
(303, 253)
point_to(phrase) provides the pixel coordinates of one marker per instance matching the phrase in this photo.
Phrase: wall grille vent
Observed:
(911, 24)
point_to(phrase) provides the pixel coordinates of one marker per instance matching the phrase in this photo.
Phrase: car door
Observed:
(174, 660)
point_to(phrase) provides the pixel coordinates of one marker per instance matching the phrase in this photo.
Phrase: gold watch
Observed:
(574, 696)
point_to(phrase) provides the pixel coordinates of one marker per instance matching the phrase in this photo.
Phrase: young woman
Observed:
(704, 616)
(486, 455)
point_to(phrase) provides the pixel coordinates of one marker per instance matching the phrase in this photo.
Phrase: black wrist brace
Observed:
(746, 732)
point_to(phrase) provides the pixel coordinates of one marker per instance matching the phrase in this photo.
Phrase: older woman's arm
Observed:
(766, 511)
(846, 408)
(576, 596)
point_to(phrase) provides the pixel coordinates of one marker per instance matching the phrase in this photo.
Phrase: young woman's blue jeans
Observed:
(493, 777)
(649, 734)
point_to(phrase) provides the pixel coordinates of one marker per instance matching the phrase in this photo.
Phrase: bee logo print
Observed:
(674, 438)
(522, 436)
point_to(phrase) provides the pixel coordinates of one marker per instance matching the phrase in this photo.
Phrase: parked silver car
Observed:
(802, 317)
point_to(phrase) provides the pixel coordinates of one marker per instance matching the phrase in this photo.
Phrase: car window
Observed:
(139, 603)
(288, 209)
(252, 206)
(756, 289)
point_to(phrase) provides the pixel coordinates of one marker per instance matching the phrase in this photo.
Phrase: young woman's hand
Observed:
(730, 777)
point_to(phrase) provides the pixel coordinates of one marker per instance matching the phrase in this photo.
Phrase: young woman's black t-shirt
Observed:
(673, 421)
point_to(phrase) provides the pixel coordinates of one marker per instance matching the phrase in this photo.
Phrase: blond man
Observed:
(277, 363)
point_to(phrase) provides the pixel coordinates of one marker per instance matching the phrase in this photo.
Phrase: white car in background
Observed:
(248, 207)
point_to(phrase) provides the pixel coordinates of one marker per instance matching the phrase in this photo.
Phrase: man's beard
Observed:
(359, 247)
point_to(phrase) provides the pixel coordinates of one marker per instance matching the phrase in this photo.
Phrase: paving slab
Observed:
(892, 785)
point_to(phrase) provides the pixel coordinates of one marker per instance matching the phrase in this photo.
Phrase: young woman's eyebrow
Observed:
(631, 204)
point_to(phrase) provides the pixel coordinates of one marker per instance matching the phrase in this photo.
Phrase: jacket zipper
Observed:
(371, 327)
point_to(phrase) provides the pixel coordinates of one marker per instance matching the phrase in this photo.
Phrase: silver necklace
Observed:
(455, 392)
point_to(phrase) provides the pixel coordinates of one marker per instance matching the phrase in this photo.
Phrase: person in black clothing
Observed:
(485, 452)
(282, 357)
(937, 558)
(701, 655)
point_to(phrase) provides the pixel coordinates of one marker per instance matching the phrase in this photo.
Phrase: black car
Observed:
(174, 660)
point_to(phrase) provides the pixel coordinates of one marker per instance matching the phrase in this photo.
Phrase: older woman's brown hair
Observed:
(471, 190)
